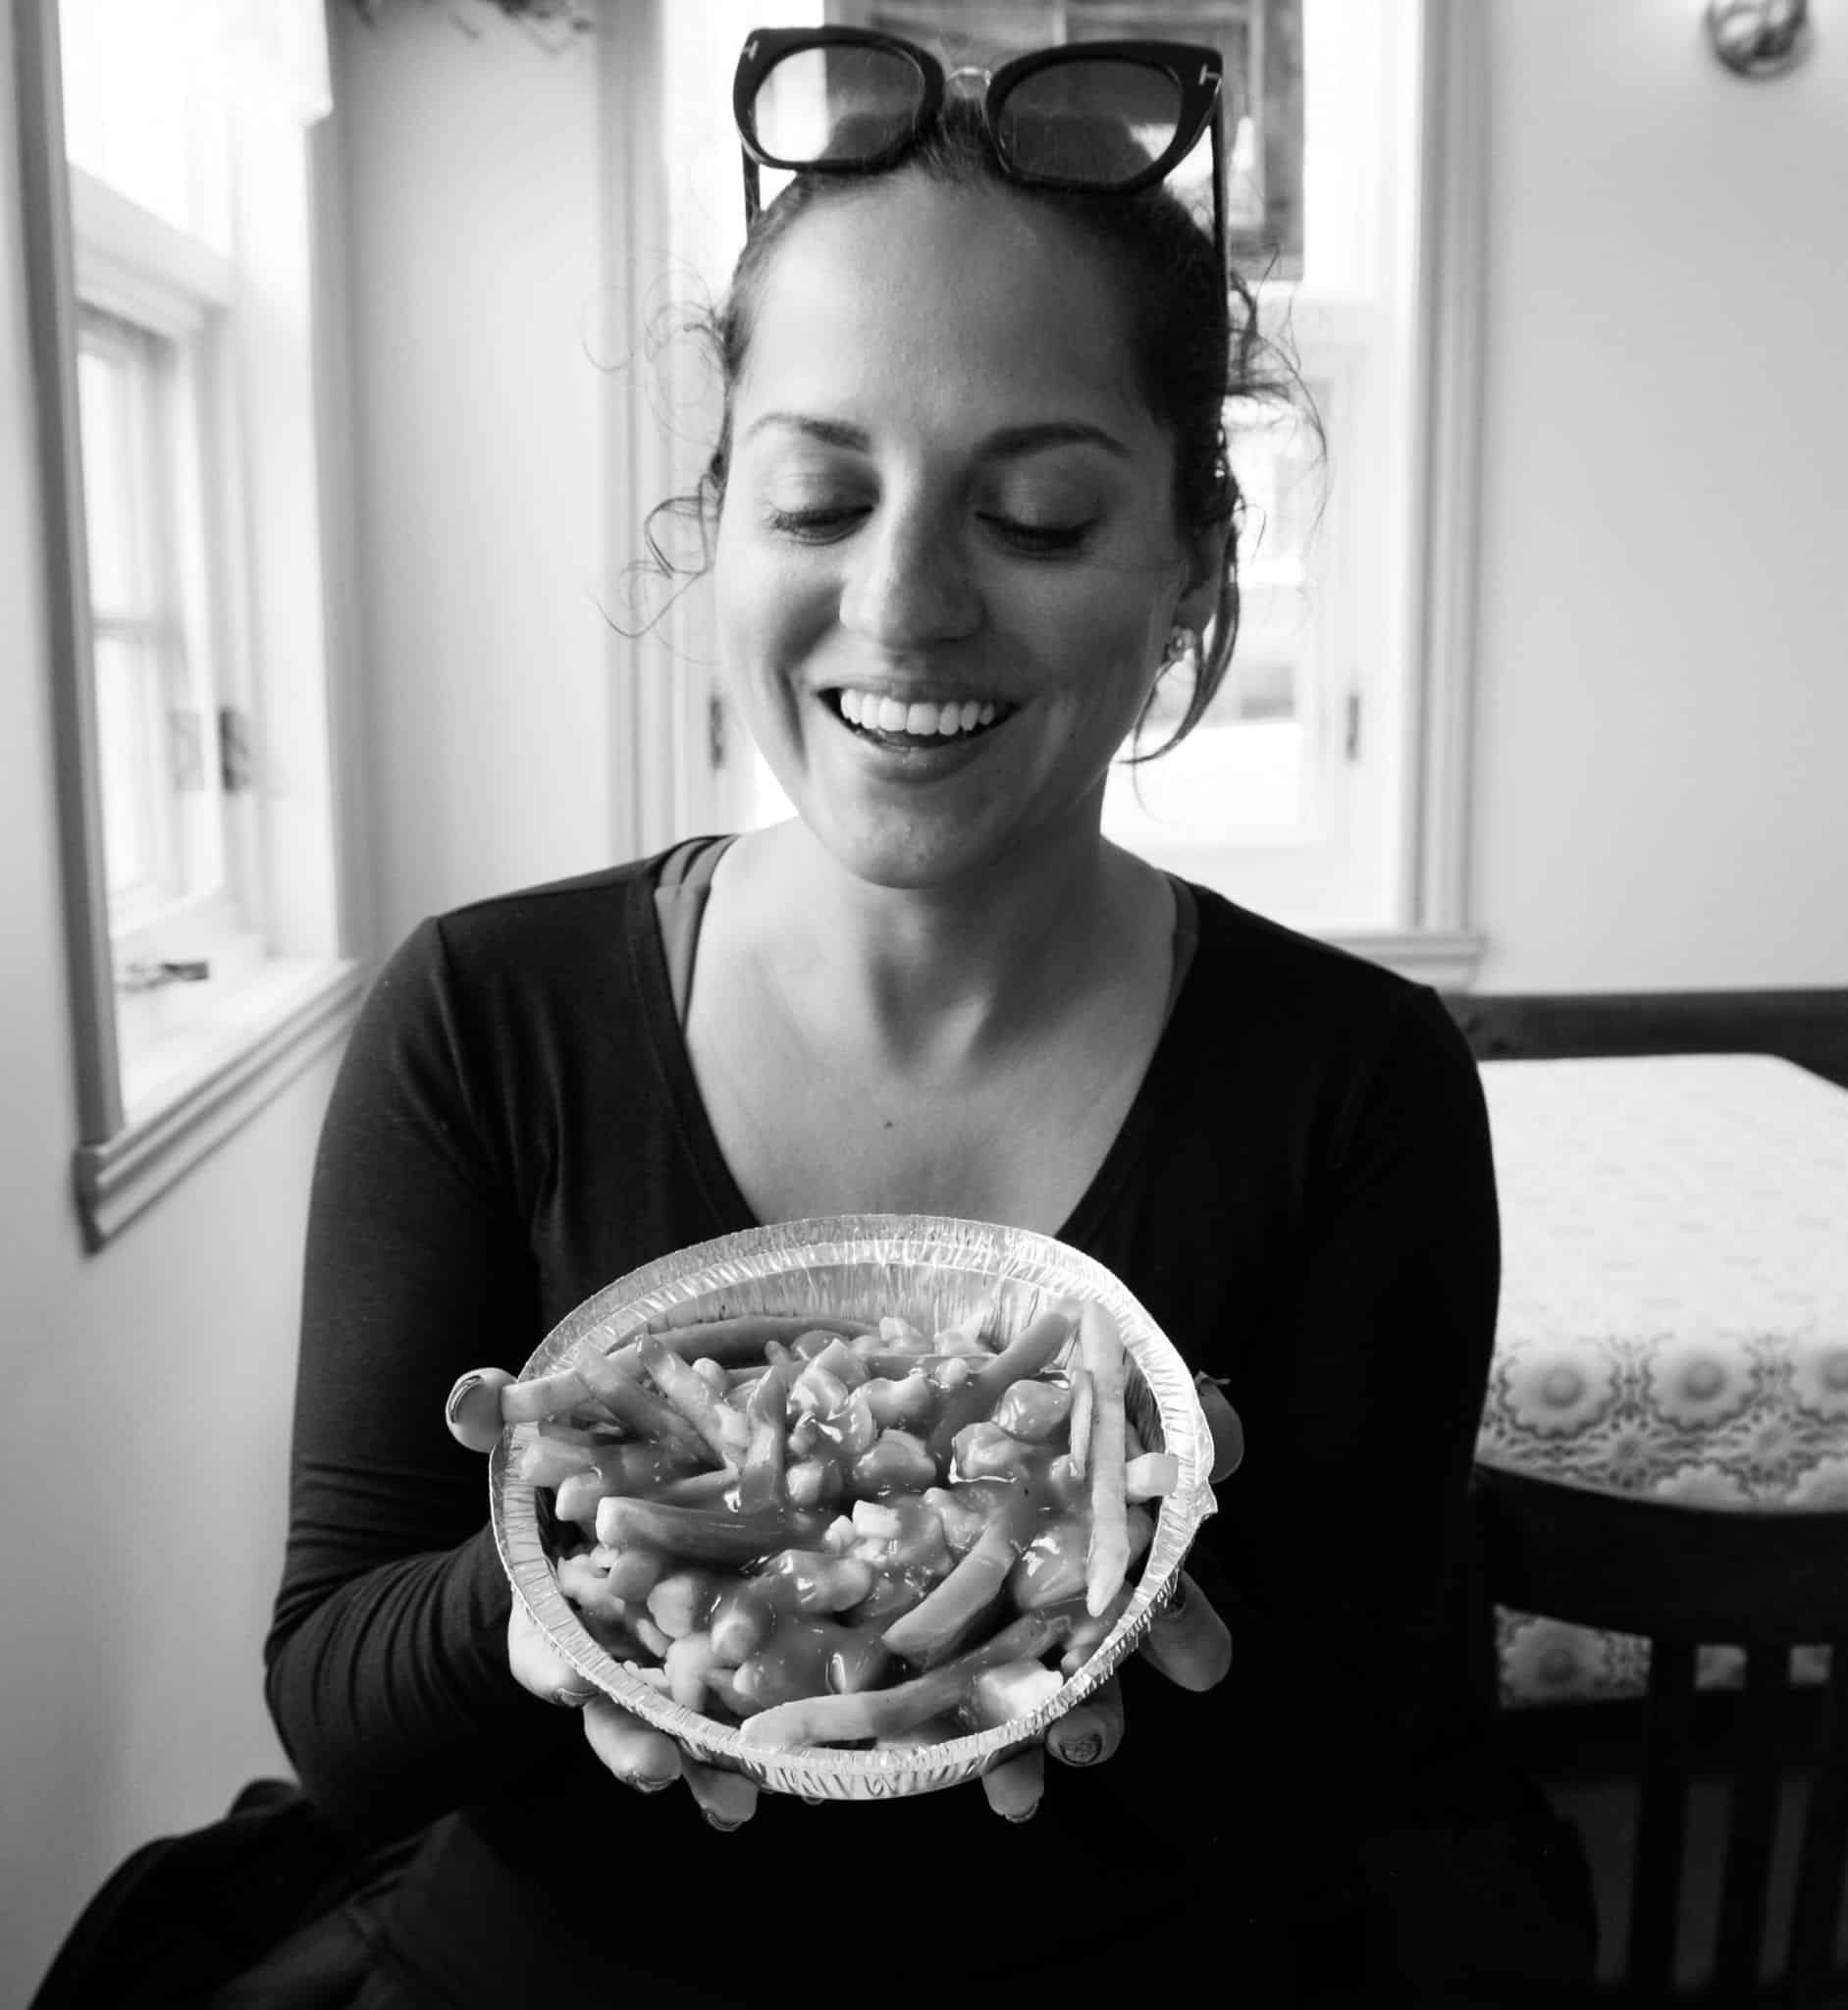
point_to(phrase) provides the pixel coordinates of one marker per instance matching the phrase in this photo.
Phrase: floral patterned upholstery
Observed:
(1674, 1307)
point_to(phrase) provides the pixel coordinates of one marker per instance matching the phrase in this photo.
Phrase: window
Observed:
(170, 215)
(1326, 785)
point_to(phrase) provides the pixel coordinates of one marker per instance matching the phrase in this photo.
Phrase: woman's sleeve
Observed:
(386, 1667)
(1347, 1558)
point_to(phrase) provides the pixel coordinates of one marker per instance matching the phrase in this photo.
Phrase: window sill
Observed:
(213, 1080)
(1445, 958)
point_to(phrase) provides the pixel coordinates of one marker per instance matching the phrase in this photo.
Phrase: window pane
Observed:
(139, 112)
(106, 416)
(129, 729)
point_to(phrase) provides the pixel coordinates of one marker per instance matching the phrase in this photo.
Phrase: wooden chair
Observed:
(1683, 1576)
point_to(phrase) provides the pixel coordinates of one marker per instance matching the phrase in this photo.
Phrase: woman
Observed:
(970, 502)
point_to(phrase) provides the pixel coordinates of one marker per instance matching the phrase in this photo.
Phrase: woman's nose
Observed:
(910, 586)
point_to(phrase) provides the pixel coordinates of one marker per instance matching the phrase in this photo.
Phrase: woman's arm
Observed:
(1347, 1554)
(387, 1665)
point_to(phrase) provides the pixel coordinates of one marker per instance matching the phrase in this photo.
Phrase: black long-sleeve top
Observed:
(1303, 1197)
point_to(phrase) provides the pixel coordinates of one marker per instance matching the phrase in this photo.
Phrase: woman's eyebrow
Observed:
(1008, 443)
(1011, 442)
(831, 432)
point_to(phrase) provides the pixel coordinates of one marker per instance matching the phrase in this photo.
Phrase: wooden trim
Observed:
(51, 312)
(1449, 405)
(1809, 1027)
(118, 1178)
(1446, 958)
(1666, 1570)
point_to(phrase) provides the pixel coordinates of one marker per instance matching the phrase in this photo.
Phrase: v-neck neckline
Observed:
(725, 1198)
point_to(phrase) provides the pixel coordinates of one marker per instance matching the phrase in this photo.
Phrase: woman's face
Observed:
(948, 508)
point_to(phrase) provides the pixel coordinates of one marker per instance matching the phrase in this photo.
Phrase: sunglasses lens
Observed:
(1098, 121)
(842, 103)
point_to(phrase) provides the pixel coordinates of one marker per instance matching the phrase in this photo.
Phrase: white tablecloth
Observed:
(1674, 1301)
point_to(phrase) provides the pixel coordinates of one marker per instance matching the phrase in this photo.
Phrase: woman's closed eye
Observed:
(1038, 540)
(814, 523)
(820, 523)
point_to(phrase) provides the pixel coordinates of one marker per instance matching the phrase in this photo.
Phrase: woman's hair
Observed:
(1194, 349)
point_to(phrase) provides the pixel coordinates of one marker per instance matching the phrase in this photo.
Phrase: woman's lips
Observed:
(915, 725)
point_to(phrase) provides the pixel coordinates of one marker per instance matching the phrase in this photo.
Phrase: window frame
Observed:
(288, 1009)
(680, 713)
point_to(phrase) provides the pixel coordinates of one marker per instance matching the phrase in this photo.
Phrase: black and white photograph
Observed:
(927, 1060)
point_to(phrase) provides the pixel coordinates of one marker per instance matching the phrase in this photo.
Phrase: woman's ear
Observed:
(1205, 573)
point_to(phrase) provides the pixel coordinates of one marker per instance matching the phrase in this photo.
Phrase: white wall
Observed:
(144, 1431)
(475, 220)
(1663, 715)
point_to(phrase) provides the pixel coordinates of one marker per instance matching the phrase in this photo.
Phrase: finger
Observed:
(1228, 1432)
(1189, 1641)
(1090, 1732)
(537, 1666)
(637, 1753)
(727, 1799)
(1013, 1786)
(472, 1408)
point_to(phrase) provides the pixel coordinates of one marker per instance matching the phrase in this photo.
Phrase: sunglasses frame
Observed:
(1196, 72)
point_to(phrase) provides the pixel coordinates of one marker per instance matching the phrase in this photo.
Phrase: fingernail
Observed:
(1024, 1815)
(459, 1395)
(719, 1823)
(648, 1783)
(1085, 1751)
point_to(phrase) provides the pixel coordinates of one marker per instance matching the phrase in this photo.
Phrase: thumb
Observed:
(537, 1666)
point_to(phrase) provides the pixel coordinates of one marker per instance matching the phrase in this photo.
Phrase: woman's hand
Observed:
(637, 1754)
(1189, 1641)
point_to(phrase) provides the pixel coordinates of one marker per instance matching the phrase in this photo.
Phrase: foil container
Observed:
(931, 1270)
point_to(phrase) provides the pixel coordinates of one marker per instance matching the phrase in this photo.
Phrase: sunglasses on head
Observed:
(1102, 117)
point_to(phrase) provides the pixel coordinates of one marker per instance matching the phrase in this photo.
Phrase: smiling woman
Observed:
(969, 505)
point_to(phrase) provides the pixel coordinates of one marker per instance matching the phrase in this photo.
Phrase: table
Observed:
(1674, 1305)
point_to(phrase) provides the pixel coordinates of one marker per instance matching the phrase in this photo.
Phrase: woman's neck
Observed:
(922, 980)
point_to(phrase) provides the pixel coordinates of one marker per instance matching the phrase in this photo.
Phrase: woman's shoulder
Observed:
(1267, 960)
(1280, 998)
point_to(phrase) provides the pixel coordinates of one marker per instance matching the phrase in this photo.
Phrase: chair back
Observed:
(1685, 1577)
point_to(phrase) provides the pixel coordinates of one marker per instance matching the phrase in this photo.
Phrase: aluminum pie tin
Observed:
(931, 1270)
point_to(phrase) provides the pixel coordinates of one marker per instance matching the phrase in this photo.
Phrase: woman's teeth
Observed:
(875, 715)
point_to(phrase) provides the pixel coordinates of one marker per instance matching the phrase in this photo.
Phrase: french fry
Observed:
(934, 1627)
(1090, 1632)
(576, 1496)
(713, 1376)
(702, 1535)
(695, 1490)
(724, 1431)
(975, 1400)
(1109, 1557)
(618, 1388)
(766, 1451)
(841, 1361)
(889, 1713)
(1084, 1404)
(747, 1337)
(544, 1396)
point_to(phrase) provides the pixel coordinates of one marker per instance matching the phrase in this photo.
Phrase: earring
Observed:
(1183, 647)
